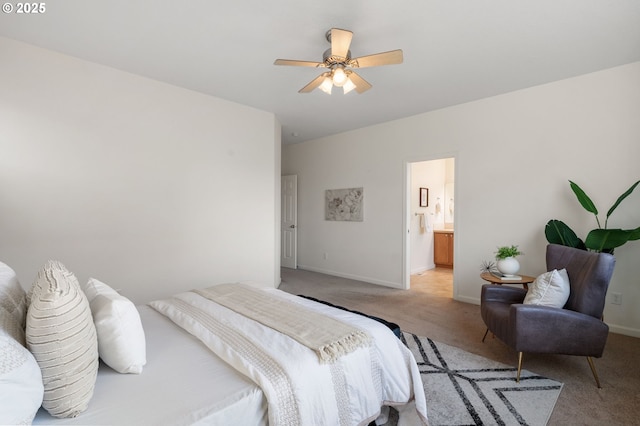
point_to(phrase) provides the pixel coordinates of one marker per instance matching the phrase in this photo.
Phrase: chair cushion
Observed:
(589, 274)
(549, 289)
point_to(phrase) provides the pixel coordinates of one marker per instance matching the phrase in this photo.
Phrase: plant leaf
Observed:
(607, 239)
(557, 232)
(622, 197)
(634, 234)
(584, 199)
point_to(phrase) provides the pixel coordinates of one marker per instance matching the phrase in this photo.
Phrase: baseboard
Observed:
(627, 331)
(421, 269)
(465, 299)
(352, 277)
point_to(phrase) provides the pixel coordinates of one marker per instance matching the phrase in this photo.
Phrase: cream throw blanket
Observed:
(300, 390)
(328, 337)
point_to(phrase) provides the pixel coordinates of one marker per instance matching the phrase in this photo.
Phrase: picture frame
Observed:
(424, 197)
(344, 204)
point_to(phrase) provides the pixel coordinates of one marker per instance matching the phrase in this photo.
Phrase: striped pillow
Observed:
(61, 335)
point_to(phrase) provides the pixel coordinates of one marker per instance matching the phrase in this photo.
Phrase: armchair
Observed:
(575, 329)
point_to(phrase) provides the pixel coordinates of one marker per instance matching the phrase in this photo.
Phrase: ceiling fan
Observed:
(340, 64)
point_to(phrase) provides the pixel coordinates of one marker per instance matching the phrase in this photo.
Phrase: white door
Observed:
(289, 225)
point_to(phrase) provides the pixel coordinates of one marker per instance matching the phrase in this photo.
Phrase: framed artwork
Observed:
(344, 204)
(424, 197)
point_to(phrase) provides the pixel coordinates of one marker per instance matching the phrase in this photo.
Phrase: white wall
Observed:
(152, 188)
(514, 156)
(431, 175)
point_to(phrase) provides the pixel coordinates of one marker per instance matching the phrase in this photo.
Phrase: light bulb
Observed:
(339, 77)
(348, 86)
(326, 85)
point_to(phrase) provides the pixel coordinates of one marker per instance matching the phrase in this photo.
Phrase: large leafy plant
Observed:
(600, 239)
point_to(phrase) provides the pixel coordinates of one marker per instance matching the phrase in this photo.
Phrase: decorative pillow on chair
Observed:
(121, 340)
(549, 289)
(62, 338)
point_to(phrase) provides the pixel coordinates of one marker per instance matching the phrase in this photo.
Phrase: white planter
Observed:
(508, 266)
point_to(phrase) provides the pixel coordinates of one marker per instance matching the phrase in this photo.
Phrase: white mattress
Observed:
(183, 383)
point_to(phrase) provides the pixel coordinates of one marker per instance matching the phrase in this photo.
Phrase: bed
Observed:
(182, 383)
(194, 375)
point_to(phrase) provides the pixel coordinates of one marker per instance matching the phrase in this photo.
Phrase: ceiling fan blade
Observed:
(299, 63)
(314, 84)
(362, 85)
(340, 42)
(384, 58)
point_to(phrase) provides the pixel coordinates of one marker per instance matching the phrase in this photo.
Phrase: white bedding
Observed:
(183, 383)
(299, 388)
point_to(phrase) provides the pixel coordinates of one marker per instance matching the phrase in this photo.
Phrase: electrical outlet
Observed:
(616, 298)
(326, 256)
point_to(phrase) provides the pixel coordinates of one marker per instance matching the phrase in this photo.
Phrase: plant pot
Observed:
(508, 266)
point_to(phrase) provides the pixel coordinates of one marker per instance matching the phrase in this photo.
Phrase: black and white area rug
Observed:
(467, 389)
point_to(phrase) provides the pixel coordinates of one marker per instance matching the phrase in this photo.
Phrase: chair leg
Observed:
(485, 335)
(593, 370)
(519, 367)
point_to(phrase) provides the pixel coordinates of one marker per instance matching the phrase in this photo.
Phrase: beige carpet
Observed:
(428, 310)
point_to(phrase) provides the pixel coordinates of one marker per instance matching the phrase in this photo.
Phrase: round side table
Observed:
(524, 280)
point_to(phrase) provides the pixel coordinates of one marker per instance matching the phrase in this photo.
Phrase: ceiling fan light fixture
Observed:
(326, 85)
(339, 64)
(339, 76)
(348, 86)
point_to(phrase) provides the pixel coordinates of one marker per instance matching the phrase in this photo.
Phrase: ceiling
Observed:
(455, 51)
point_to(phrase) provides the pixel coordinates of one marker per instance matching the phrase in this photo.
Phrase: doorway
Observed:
(428, 222)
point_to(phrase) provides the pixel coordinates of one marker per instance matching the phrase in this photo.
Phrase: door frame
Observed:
(406, 216)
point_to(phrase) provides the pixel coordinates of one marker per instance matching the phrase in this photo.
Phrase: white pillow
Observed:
(20, 383)
(62, 338)
(13, 301)
(549, 289)
(10, 325)
(121, 340)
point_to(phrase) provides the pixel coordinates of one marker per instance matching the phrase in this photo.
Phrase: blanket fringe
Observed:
(330, 353)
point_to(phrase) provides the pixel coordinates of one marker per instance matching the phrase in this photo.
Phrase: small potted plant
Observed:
(507, 263)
